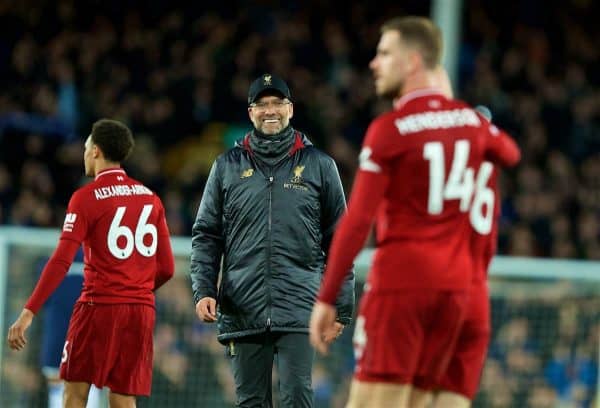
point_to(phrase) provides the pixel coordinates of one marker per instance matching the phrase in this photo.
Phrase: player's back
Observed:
(121, 222)
(431, 148)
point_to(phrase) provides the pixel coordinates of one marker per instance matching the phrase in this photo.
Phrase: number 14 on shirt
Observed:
(472, 190)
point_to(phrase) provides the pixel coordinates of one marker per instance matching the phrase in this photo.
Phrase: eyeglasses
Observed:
(266, 105)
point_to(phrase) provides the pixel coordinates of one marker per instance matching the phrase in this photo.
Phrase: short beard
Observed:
(392, 92)
(270, 132)
(274, 132)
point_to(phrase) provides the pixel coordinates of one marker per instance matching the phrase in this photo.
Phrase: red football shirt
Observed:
(419, 167)
(485, 243)
(127, 251)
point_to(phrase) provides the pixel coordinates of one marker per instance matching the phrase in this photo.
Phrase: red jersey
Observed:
(419, 168)
(485, 241)
(127, 250)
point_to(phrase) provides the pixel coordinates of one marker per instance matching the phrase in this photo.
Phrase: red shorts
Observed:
(110, 345)
(407, 337)
(464, 370)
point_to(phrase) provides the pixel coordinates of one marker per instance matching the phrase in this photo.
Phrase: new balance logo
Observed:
(247, 173)
(69, 222)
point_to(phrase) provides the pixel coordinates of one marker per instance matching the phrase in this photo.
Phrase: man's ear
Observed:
(291, 110)
(96, 152)
(415, 61)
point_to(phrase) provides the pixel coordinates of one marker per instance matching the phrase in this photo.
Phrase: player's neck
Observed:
(419, 80)
(102, 165)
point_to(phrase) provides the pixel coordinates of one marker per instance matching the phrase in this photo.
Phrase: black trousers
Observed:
(251, 359)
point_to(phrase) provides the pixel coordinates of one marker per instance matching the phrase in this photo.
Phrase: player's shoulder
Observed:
(381, 133)
(412, 108)
(384, 121)
(386, 118)
(464, 108)
(140, 189)
(427, 100)
(457, 104)
(134, 182)
(84, 192)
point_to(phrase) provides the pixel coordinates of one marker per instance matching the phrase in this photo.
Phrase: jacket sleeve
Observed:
(333, 204)
(207, 239)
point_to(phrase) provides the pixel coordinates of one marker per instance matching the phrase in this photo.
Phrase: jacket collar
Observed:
(300, 142)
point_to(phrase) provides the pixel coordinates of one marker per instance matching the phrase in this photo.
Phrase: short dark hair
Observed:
(422, 33)
(113, 138)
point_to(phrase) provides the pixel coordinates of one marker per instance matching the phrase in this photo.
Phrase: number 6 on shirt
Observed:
(462, 184)
(117, 230)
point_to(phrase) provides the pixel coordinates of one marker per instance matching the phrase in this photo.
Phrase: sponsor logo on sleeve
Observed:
(69, 223)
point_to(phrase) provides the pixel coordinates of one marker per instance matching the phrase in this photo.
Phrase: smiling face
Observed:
(271, 114)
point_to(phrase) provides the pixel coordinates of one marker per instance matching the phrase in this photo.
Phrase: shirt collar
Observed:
(417, 93)
(110, 171)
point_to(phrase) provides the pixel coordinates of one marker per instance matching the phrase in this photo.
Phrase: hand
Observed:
(322, 323)
(333, 332)
(16, 332)
(206, 309)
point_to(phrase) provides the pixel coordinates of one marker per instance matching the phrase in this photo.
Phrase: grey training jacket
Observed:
(271, 227)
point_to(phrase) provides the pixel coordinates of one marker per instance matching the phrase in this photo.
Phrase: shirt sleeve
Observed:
(371, 182)
(73, 233)
(501, 149)
(76, 222)
(333, 204)
(53, 274)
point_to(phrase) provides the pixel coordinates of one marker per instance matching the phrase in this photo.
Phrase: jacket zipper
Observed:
(269, 252)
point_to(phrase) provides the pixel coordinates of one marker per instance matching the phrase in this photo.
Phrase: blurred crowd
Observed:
(544, 351)
(179, 75)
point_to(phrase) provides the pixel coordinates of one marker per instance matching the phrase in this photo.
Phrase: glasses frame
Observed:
(278, 104)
